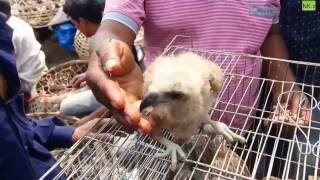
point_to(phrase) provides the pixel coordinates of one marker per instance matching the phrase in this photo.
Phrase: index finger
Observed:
(305, 115)
(145, 126)
(295, 105)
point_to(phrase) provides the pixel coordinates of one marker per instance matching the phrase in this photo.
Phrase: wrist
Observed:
(75, 136)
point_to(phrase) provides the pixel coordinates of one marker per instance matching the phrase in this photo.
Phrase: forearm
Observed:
(113, 30)
(96, 114)
(275, 47)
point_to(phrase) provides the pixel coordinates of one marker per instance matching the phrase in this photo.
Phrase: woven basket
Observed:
(54, 86)
(82, 45)
(38, 13)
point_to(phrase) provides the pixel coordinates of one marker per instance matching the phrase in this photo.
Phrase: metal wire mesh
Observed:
(274, 150)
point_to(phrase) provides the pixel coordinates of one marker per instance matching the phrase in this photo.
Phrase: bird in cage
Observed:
(179, 90)
(212, 152)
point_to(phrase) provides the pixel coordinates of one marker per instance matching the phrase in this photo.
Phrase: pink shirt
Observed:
(231, 26)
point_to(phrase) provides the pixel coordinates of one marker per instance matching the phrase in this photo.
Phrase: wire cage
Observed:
(38, 13)
(278, 146)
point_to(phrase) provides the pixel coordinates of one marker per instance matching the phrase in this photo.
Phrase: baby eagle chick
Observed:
(177, 97)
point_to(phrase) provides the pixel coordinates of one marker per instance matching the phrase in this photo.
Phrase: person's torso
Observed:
(239, 26)
(301, 31)
(232, 25)
(20, 29)
(22, 136)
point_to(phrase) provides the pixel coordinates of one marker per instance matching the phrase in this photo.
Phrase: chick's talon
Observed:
(220, 128)
(175, 151)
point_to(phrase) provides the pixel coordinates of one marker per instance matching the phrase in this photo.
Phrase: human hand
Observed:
(99, 113)
(79, 80)
(292, 107)
(84, 129)
(116, 81)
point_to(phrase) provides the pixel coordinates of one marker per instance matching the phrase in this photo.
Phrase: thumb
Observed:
(110, 55)
(297, 101)
(117, 58)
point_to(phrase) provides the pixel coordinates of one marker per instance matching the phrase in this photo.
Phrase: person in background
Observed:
(87, 16)
(30, 59)
(25, 143)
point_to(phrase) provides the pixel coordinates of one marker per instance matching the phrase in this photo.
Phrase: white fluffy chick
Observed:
(177, 97)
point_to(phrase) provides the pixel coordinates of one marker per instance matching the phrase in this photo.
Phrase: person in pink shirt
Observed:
(238, 26)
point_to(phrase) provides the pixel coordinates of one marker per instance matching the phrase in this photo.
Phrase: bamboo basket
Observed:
(54, 86)
(82, 45)
(38, 13)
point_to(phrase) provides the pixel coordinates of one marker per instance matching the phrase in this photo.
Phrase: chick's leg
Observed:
(172, 149)
(219, 128)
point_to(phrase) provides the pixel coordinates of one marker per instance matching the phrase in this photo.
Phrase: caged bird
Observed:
(178, 93)
(210, 151)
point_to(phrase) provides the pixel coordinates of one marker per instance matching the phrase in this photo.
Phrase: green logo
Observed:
(309, 5)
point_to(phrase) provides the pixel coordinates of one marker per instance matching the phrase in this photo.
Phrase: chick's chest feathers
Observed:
(184, 124)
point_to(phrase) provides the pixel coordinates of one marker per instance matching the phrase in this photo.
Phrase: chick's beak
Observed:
(150, 99)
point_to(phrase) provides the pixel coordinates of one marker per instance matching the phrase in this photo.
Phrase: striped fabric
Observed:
(228, 25)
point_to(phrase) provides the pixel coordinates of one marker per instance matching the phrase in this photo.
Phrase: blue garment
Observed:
(65, 34)
(24, 143)
(301, 32)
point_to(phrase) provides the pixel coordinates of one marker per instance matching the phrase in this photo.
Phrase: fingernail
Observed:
(111, 63)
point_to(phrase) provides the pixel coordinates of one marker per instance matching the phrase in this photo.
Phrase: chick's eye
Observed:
(175, 95)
